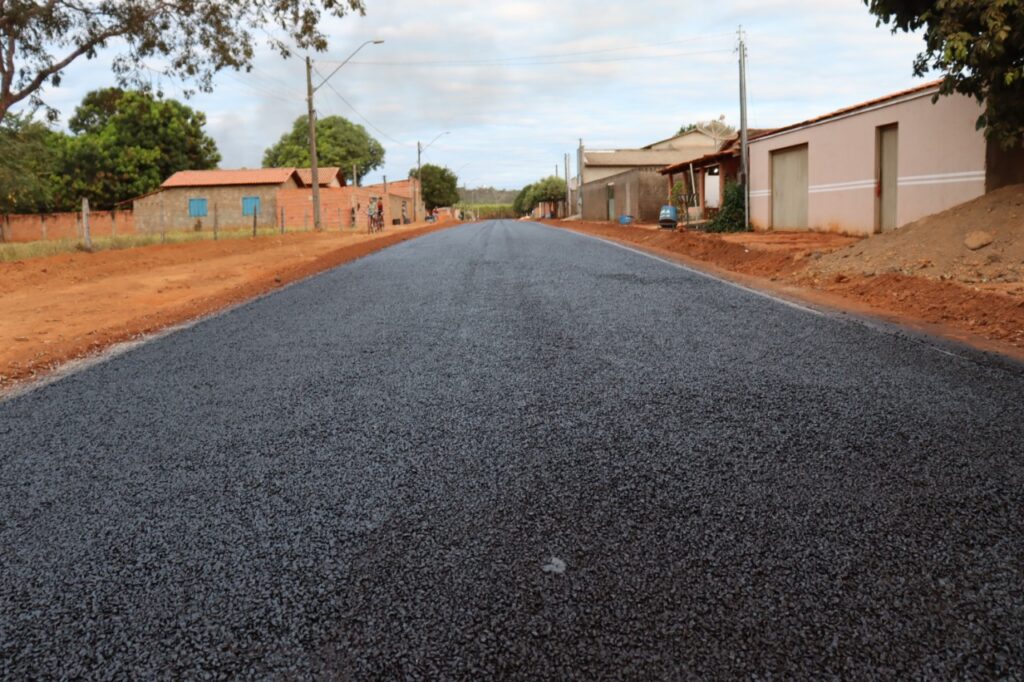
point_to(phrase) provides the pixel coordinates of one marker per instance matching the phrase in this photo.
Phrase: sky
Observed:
(517, 83)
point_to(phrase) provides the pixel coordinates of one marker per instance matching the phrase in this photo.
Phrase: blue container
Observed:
(625, 219)
(669, 217)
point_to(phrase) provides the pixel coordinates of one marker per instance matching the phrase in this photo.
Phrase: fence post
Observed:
(216, 222)
(42, 219)
(5, 227)
(282, 220)
(85, 223)
(305, 220)
(254, 214)
(113, 222)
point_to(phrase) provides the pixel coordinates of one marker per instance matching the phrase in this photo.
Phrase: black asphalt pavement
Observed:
(506, 450)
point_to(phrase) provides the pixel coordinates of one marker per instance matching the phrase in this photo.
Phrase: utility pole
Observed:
(568, 193)
(417, 188)
(313, 164)
(311, 115)
(744, 152)
(579, 178)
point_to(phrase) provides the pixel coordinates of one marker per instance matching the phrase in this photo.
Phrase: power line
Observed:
(380, 132)
(549, 62)
(550, 55)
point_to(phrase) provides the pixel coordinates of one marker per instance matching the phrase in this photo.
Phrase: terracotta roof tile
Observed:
(242, 176)
(325, 175)
(863, 105)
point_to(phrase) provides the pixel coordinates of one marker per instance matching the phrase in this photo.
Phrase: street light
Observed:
(418, 187)
(311, 116)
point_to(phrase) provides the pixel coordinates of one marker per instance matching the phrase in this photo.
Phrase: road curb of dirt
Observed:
(218, 305)
(789, 296)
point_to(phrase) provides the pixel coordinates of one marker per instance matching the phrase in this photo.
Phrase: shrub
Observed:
(731, 217)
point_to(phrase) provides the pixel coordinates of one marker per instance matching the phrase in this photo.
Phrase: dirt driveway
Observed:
(64, 307)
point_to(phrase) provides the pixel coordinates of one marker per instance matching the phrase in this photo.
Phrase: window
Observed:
(197, 208)
(250, 205)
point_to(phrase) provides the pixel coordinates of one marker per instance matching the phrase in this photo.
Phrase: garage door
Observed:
(789, 188)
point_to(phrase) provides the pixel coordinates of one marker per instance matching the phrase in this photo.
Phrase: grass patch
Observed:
(25, 250)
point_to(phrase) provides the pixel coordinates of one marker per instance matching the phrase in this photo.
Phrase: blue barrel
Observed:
(625, 219)
(669, 217)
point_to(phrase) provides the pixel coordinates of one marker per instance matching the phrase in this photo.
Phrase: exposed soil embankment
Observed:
(59, 308)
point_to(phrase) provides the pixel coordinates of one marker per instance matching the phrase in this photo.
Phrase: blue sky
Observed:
(519, 82)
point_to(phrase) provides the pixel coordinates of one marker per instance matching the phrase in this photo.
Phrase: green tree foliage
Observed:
(731, 217)
(125, 144)
(440, 186)
(30, 152)
(487, 195)
(190, 39)
(521, 204)
(339, 142)
(979, 47)
(547, 189)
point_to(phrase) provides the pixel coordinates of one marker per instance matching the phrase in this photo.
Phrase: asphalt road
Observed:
(509, 450)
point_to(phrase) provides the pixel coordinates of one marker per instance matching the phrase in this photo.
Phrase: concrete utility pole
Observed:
(568, 193)
(744, 152)
(311, 115)
(313, 164)
(417, 188)
(579, 178)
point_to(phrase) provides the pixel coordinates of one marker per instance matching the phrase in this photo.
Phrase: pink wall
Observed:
(941, 158)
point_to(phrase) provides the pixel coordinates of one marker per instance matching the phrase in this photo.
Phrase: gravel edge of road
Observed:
(20, 387)
(933, 341)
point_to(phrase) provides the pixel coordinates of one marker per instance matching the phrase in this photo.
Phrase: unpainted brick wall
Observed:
(52, 226)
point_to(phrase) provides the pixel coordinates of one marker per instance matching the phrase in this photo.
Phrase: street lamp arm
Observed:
(347, 60)
(447, 132)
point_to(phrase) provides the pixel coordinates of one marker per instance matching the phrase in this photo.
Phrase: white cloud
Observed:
(512, 120)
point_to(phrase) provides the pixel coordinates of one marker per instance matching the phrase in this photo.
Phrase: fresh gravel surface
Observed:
(507, 450)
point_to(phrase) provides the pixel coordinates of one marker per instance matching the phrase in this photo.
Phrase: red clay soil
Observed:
(988, 318)
(69, 306)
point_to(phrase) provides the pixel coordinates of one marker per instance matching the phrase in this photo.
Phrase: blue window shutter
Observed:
(250, 205)
(197, 208)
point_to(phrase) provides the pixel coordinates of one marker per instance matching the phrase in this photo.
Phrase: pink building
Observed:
(872, 167)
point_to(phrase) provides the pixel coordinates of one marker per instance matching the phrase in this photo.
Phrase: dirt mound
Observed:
(979, 242)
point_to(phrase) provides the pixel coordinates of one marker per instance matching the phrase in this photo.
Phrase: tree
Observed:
(978, 46)
(521, 204)
(30, 151)
(440, 186)
(191, 39)
(126, 144)
(339, 142)
(547, 189)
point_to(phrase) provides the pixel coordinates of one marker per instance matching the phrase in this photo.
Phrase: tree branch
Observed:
(8, 98)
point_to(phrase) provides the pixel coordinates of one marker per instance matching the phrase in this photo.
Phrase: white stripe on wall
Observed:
(754, 193)
(942, 178)
(841, 186)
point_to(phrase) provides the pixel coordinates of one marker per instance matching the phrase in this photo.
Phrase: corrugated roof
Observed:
(729, 149)
(931, 85)
(632, 158)
(325, 175)
(218, 177)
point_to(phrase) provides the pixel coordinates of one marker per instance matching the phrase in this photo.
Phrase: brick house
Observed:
(195, 199)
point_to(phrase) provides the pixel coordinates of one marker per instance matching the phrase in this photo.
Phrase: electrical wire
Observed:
(359, 114)
(455, 64)
(536, 57)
